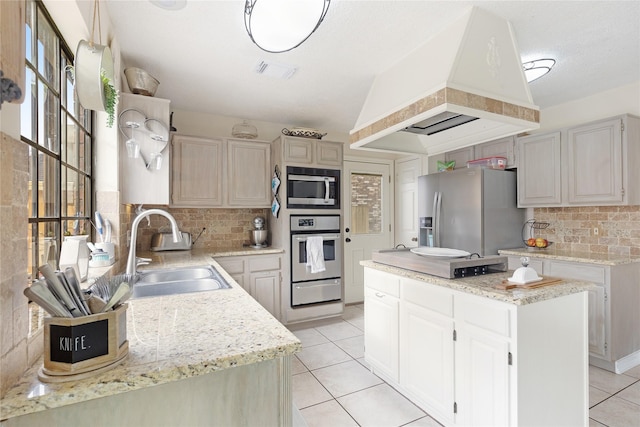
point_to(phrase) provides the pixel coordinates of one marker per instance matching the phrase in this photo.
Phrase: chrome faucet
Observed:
(177, 236)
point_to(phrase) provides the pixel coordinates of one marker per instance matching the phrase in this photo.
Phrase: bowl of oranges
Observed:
(537, 242)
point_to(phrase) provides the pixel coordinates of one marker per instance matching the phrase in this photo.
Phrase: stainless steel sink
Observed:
(171, 281)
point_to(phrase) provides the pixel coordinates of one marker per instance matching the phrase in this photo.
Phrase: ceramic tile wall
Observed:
(224, 227)
(14, 343)
(573, 228)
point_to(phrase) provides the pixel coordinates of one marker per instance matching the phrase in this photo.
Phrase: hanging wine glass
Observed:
(133, 147)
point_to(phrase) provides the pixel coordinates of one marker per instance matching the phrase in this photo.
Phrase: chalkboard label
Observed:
(72, 344)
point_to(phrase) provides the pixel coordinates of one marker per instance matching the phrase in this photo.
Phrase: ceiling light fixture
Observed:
(169, 4)
(281, 25)
(533, 70)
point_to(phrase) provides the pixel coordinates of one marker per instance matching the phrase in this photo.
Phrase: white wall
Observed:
(622, 100)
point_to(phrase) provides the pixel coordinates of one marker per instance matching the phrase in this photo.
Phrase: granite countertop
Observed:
(484, 286)
(200, 255)
(170, 338)
(573, 256)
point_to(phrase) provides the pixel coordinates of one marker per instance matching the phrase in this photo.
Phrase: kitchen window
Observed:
(58, 132)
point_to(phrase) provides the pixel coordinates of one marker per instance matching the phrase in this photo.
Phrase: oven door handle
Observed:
(321, 285)
(324, 236)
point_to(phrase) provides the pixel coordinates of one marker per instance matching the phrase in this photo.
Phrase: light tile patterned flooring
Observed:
(333, 387)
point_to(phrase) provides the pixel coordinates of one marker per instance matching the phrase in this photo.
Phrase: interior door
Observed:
(406, 204)
(367, 220)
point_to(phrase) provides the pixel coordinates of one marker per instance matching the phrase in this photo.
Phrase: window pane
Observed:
(48, 49)
(70, 137)
(75, 227)
(48, 184)
(31, 264)
(27, 109)
(48, 244)
(366, 203)
(33, 183)
(30, 20)
(85, 154)
(48, 116)
(70, 193)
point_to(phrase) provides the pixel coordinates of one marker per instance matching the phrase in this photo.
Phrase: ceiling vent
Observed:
(273, 69)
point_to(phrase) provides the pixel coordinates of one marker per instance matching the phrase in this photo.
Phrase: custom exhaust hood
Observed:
(463, 86)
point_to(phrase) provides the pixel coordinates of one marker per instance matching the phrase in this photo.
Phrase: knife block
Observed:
(84, 344)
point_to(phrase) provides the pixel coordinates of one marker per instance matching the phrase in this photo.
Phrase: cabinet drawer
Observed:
(430, 297)
(589, 273)
(264, 263)
(380, 281)
(232, 265)
(482, 313)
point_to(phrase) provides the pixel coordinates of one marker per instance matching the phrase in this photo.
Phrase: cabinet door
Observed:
(236, 268)
(482, 366)
(503, 147)
(597, 324)
(539, 170)
(265, 288)
(595, 163)
(298, 151)
(249, 173)
(381, 321)
(197, 171)
(426, 364)
(328, 153)
(461, 156)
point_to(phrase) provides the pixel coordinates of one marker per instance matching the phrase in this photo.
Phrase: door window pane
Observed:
(48, 184)
(366, 203)
(48, 51)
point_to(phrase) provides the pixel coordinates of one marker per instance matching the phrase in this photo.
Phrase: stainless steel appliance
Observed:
(473, 209)
(449, 268)
(311, 188)
(258, 236)
(313, 288)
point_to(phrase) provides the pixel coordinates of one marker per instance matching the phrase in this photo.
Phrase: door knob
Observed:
(347, 239)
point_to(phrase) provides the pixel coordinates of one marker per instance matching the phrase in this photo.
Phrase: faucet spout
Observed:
(177, 236)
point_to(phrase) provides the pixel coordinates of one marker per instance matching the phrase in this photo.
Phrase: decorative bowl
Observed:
(140, 82)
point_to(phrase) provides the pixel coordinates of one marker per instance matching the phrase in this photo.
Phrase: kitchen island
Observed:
(469, 353)
(207, 358)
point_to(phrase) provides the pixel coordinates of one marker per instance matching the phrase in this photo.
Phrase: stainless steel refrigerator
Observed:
(472, 209)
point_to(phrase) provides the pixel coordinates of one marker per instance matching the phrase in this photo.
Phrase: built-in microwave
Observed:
(311, 188)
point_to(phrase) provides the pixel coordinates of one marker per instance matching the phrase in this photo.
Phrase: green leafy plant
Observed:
(111, 97)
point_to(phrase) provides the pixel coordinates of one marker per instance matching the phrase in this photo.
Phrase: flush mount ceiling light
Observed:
(281, 25)
(169, 4)
(533, 70)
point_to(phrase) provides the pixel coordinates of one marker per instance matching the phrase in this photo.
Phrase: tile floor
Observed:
(333, 387)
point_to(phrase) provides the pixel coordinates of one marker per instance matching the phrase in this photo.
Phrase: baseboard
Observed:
(620, 366)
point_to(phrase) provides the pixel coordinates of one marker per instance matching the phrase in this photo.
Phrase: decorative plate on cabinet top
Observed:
(439, 252)
(303, 132)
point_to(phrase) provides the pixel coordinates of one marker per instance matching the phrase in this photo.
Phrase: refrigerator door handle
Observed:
(436, 218)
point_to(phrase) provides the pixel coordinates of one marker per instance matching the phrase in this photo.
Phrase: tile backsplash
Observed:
(224, 227)
(573, 228)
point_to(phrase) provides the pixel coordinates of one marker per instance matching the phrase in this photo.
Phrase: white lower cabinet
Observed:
(381, 323)
(259, 275)
(471, 360)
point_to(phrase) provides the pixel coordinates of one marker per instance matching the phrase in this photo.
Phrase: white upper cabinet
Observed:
(461, 156)
(594, 154)
(539, 170)
(589, 165)
(503, 147)
(305, 151)
(249, 173)
(219, 172)
(198, 165)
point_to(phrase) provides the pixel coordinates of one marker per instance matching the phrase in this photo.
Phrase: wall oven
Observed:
(313, 288)
(311, 188)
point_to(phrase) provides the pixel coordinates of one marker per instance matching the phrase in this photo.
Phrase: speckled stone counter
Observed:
(484, 286)
(574, 256)
(171, 338)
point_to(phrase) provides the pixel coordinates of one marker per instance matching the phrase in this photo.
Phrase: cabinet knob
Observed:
(414, 239)
(347, 230)
(347, 239)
